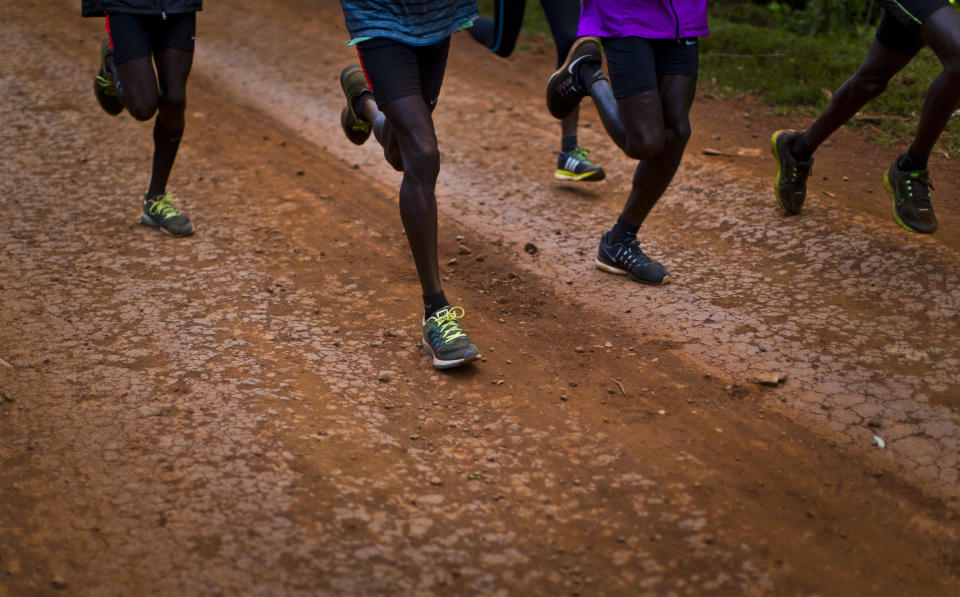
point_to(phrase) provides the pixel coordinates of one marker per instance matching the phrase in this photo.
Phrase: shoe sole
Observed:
(594, 176)
(610, 269)
(566, 64)
(441, 364)
(147, 221)
(893, 206)
(776, 182)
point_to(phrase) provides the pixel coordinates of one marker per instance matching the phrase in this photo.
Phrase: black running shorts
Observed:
(899, 28)
(636, 64)
(135, 36)
(395, 70)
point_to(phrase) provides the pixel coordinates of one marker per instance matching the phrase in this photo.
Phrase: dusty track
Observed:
(208, 415)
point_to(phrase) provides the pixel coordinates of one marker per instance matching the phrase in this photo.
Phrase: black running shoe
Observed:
(575, 165)
(354, 83)
(564, 90)
(628, 259)
(910, 193)
(791, 184)
(159, 212)
(445, 340)
(104, 85)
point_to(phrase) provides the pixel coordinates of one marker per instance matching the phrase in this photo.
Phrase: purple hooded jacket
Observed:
(651, 19)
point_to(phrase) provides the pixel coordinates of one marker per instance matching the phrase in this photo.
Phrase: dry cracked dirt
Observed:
(248, 411)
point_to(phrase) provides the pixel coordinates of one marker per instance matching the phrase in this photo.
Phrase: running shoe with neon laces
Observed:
(564, 90)
(910, 193)
(354, 83)
(791, 184)
(575, 165)
(628, 259)
(104, 85)
(445, 340)
(159, 212)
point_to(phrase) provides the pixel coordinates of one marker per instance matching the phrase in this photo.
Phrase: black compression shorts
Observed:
(636, 64)
(135, 36)
(395, 70)
(899, 28)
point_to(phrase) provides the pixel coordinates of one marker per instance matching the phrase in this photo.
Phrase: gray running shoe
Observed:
(159, 212)
(791, 184)
(628, 259)
(910, 194)
(354, 82)
(445, 340)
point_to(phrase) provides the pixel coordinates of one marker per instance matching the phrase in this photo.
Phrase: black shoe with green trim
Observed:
(445, 340)
(104, 85)
(354, 84)
(910, 193)
(791, 184)
(159, 212)
(575, 165)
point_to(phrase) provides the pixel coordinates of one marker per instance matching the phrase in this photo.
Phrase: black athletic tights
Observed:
(163, 92)
(500, 34)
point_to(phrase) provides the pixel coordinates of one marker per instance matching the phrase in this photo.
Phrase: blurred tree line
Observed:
(804, 17)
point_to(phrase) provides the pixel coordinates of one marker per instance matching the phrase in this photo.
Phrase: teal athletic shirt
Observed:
(411, 22)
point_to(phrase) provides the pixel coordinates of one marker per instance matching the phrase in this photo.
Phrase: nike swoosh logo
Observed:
(574, 63)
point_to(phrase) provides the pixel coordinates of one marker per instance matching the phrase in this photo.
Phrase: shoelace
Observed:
(581, 154)
(163, 206)
(923, 190)
(799, 173)
(447, 325)
(106, 84)
(631, 254)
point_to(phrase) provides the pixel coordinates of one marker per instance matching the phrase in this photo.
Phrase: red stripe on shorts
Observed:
(364, 69)
(109, 35)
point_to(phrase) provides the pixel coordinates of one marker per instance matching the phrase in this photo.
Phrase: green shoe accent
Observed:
(104, 85)
(575, 165)
(159, 212)
(354, 84)
(445, 340)
(790, 187)
(910, 194)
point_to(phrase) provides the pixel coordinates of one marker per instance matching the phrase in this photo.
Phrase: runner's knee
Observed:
(140, 108)
(173, 101)
(646, 145)
(423, 157)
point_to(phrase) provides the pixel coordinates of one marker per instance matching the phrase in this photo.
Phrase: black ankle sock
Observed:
(798, 149)
(358, 104)
(588, 73)
(165, 145)
(433, 303)
(911, 162)
(623, 231)
(568, 142)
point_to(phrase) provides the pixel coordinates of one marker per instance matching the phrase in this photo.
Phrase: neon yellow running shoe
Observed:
(445, 340)
(575, 165)
(159, 212)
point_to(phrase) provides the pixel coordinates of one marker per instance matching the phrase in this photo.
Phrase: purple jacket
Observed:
(651, 19)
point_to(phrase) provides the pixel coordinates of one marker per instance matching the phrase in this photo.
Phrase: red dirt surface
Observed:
(248, 411)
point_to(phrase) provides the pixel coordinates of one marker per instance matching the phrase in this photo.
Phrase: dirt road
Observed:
(248, 411)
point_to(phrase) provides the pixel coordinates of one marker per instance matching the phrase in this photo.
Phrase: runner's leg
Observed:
(173, 68)
(654, 174)
(500, 34)
(941, 32)
(880, 65)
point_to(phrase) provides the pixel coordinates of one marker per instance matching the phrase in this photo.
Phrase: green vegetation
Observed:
(794, 58)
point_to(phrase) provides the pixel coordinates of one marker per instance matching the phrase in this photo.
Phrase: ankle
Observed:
(799, 150)
(911, 162)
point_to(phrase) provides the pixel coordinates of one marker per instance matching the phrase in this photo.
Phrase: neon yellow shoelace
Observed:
(449, 326)
(163, 206)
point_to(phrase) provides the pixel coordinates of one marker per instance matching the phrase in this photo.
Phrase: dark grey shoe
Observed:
(445, 340)
(910, 193)
(354, 83)
(628, 259)
(159, 212)
(791, 184)
(564, 90)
